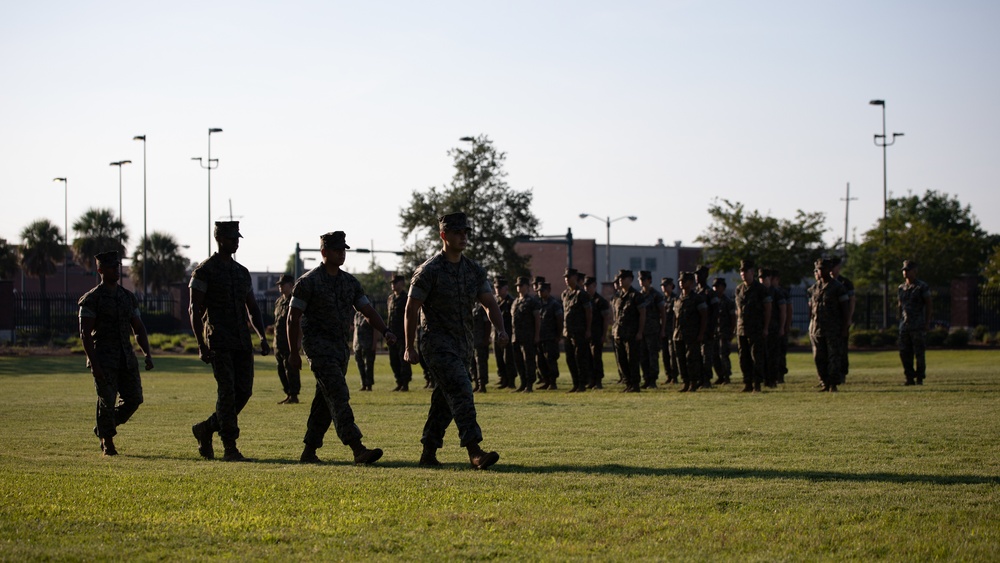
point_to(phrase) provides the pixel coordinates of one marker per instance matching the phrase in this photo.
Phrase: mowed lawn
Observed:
(877, 471)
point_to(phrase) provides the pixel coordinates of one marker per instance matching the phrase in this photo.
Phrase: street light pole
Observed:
(882, 141)
(212, 163)
(607, 247)
(66, 234)
(121, 218)
(145, 254)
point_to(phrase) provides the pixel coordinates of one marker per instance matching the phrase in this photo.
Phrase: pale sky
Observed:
(334, 112)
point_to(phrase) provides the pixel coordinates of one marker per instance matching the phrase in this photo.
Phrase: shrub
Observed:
(860, 338)
(981, 333)
(191, 348)
(957, 339)
(936, 336)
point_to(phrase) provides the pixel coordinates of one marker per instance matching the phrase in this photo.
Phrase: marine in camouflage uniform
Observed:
(480, 369)
(324, 302)
(548, 342)
(504, 355)
(838, 265)
(914, 299)
(291, 383)
(670, 367)
(364, 350)
(443, 292)
(753, 315)
(396, 306)
(649, 348)
(600, 322)
(783, 298)
(526, 323)
(630, 317)
(691, 312)
(578, 317)
(222, 307)
(775, 329)
(828, 312)
(109, 316)
(723, 333)
(709, 345)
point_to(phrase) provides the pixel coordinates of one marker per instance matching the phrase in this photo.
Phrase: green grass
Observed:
(878, 471)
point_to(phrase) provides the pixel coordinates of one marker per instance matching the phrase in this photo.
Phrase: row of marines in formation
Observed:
(440, 319)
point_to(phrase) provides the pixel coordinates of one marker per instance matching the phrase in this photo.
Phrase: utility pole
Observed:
(847, 213)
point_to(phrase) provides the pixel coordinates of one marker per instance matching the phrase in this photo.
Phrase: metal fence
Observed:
(868, 307)
(988, 307)
(39, 318)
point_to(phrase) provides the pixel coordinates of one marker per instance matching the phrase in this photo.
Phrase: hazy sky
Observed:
(334, 112)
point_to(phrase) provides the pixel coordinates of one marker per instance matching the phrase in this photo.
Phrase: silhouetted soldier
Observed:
(396, 305)
(289, 376)
(915, 308)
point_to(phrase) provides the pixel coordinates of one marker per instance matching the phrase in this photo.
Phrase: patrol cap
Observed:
(764, 273)
(109, 258)
(337, 240)
(500, 281)
(836, 260)
(398, 278)
(589, 280)
(909, 265)
(539, 280)
(625, 274)
(285, 278)
(686, 276)
(545, 286)
(702, 268)
(747, 264)
(523, 280)
(823, 264)
(227, 229)
(666, 281)
(645, 275)
(570, 272)
(719, 281)
(454, 222)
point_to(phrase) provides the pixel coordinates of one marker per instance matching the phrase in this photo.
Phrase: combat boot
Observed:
(756, 387)
(292, 400)
(203, 434)
(748, 388)
(363, 455)
(428, 458)
(309, 455)
(231, 453)
(108, 447)
(480, 459)
(686, 388)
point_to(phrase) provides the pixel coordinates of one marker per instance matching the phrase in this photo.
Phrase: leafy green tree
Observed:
(935, 229)
(166, 264)
(790, 246)
(992, 270)
(8, 259)
(41, 249)
(497, 213)
(290, 265)
(98, 230)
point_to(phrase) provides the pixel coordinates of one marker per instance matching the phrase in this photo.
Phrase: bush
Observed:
(191, 348)
(957, 339)
(981, 333)
(937, 336)
(860, 338)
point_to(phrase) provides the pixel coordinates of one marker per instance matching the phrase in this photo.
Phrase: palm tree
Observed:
(98, 230)
(8, 260)
(41, 246)
(166, 264)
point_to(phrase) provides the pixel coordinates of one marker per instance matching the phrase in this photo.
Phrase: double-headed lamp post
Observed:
(66, 234)
(145, 255)
(212, 163)
(121, 218)
(883, 141)
(607, 247)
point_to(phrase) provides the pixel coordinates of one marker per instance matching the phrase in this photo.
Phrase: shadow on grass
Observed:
(630, 471)
(735, 473)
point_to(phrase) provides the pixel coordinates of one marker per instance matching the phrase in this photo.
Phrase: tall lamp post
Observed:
(145, 255)
(607, 247)
(883, 141)
(66, 234)
(211, 164)
(121, 218)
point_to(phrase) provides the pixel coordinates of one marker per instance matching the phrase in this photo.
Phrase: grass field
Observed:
(878, 471)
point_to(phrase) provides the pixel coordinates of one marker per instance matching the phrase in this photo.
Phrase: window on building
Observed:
(651, 264)
(635, 264)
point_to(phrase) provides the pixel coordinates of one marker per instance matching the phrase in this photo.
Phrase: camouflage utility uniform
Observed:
(449, 291)
(828, 298)
(912, 329)
(625, 331)
(396, 312)
(750, 301)
(523, 313)
(291, 383)
(688, 310)
(328, 304)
